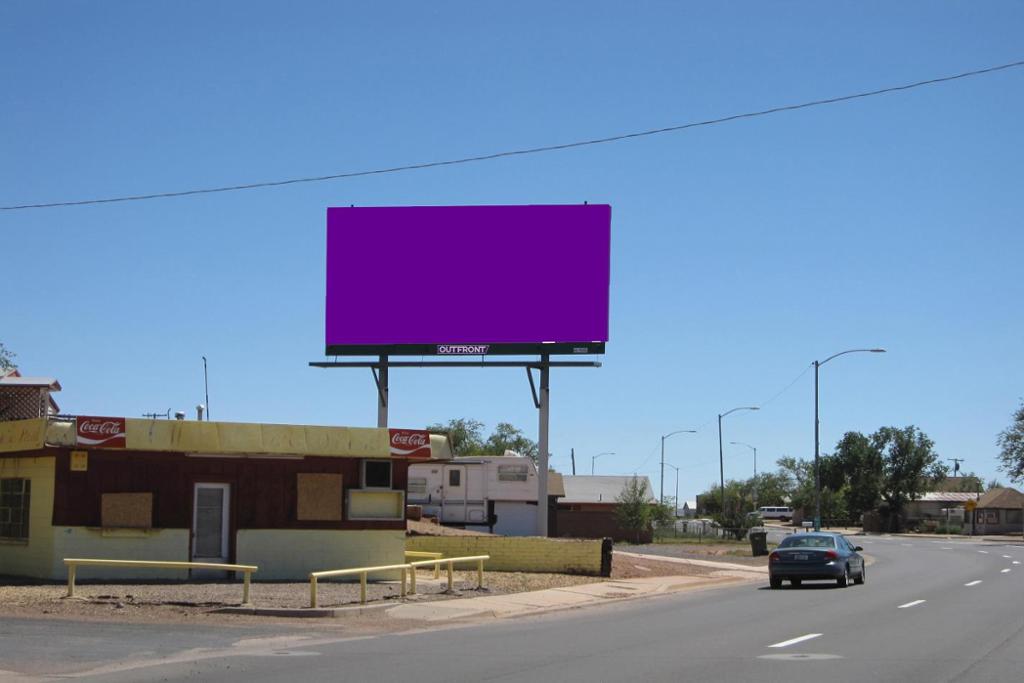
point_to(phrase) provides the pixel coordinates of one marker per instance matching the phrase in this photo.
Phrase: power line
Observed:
(530, 150)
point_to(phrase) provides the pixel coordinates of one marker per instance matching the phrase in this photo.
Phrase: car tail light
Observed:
(774, 557)
(831, 555)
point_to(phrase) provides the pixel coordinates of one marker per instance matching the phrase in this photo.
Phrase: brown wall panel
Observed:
(263, 491)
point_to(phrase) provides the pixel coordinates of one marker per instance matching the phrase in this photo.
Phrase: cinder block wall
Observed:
(519, 553)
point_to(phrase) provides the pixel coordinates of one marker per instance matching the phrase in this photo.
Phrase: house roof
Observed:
(15, 380)
(599, 489)
(1002, 498)
(947, 497)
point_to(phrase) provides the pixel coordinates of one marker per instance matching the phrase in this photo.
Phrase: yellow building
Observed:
(288, 498)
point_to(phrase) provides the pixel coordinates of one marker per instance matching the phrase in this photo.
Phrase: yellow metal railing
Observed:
(450, 562)
(361, 571)
(75, 562)
(423, 554)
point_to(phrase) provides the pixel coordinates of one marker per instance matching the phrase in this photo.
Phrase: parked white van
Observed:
(780, 513)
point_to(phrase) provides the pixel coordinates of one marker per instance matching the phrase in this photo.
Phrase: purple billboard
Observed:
(467, 280)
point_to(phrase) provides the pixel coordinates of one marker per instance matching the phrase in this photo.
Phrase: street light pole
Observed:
(721, 457)
(753, 448)
(675, 512)
(817, 458)
(662, 483)
(595, 457)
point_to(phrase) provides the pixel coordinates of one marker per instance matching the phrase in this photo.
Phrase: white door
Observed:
(453, 497)
(210, 523)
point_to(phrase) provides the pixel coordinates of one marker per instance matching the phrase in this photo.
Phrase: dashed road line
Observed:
(911, 604)
(945, 548)
(1016, 561)
(1006, 557)
(794, 641)
(1004, 571)
(973, 583)
(983, 552)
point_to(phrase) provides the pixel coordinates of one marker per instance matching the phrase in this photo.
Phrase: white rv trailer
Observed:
(496, 493)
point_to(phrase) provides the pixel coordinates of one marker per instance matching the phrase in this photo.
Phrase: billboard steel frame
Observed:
(379, 368)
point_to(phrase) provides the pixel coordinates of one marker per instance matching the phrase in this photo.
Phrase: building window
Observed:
(417, 485)
(454, 477)
(376, 474)
(14, 508)
(512, 472)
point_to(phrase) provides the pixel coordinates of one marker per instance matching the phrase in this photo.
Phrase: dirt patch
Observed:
(195, 602)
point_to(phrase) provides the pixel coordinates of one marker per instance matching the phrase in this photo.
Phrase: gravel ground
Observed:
(195, 601)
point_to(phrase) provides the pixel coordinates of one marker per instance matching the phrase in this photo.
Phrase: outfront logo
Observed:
(463, 349)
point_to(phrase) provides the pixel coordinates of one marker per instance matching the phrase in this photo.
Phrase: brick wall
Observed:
(520, 553)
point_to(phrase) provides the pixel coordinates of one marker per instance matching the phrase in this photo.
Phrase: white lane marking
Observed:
(1006, 557)
(1016, 561)
(907, 545)
(984, 552)
(794, 641)
(911, 604)
(945, 548)
(973, 583)
(1004, 571)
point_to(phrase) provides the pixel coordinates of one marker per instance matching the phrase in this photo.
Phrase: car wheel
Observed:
(775, 582)
(844, 580)
(795, 582)
(860, 577)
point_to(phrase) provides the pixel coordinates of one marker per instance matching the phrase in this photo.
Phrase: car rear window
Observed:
(805, 541)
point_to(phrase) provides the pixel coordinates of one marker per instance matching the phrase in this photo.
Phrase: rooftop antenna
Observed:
(206, 386)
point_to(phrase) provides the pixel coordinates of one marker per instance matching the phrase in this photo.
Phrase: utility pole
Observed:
(956, 464)
(572, 454)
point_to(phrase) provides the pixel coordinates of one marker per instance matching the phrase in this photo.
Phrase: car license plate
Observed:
(799, 556)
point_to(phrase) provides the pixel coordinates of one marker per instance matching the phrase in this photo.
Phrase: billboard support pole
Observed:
(542, 447)
(381, 381)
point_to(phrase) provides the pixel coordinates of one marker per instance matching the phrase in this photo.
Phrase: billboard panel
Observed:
(467, 280)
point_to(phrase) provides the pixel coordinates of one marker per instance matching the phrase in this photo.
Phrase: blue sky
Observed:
(740, 252)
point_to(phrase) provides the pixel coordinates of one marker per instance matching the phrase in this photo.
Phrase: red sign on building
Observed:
(101, 432)
(410, 443)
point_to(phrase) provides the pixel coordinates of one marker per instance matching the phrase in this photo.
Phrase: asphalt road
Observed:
(930, 611)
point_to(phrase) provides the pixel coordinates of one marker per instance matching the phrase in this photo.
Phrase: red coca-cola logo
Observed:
(101, 432)
(410, 443)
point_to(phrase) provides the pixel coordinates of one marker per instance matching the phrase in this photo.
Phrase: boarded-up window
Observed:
(126, 511)
(319, 498)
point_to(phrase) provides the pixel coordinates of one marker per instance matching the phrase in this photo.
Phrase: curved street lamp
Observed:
(595, 457)
(817, 460)
(753, 448)
(721, 458)
(675, 512)
(678, 431)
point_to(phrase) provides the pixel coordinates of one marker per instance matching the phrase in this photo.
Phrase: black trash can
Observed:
(758, 543)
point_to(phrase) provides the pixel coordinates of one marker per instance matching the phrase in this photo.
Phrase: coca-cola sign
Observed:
(410, 443)
(101, 432)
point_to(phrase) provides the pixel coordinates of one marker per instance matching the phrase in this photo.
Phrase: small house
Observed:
(288, 498)
(1000, 511)
(588, 509)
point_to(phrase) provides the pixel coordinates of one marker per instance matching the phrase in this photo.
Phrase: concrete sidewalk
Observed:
(572, 597)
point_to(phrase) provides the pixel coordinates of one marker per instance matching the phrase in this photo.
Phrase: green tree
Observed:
(908, 462)
(861, 465)
(507, 437)
(6, 359)
(464, 435)
(1011, 445)
(800, 474)
(634, 510)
